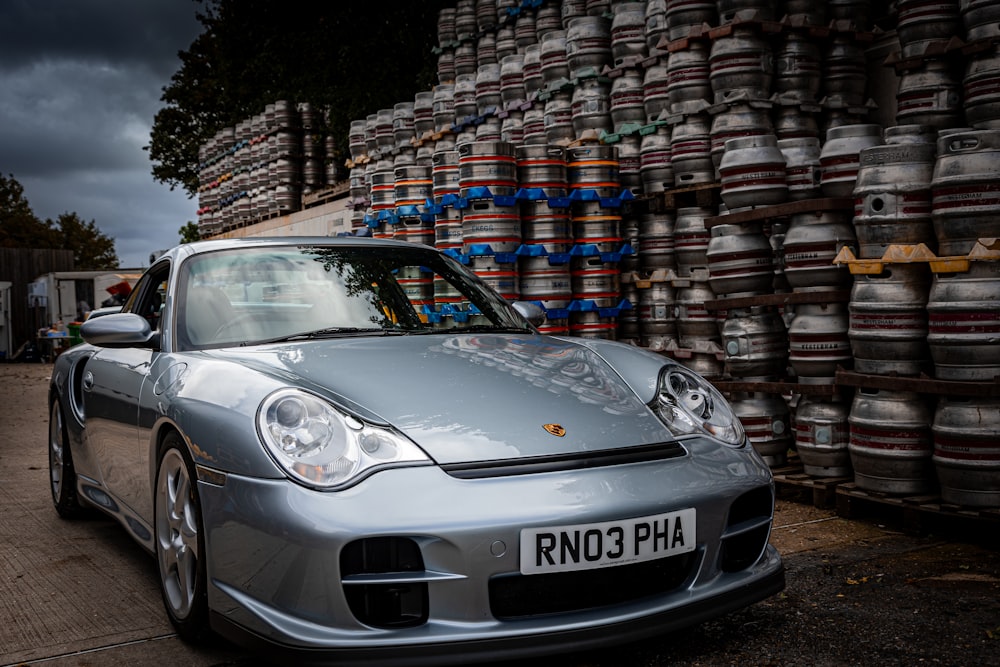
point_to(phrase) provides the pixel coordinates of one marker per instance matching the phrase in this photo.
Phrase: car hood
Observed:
(465, 397)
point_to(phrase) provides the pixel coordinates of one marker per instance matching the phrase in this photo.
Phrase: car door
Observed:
(113, 388)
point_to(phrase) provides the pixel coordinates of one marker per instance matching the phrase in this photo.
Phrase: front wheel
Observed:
(62, 474)
(180, 543)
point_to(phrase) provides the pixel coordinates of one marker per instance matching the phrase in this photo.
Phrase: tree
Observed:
(92, 250)
(350, 59)
(189, 232)
(19, 226)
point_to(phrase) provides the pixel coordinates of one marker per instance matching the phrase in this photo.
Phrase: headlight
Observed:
(322, 447)
(687, 403)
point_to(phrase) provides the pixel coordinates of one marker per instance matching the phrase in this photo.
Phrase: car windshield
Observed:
(262, 294)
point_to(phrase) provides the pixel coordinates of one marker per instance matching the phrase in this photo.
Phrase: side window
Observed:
(147, 298)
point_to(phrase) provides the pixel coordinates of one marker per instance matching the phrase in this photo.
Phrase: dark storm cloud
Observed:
(96, 31)
(80, 83)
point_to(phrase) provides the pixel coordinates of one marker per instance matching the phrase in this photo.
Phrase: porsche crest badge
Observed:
(555, 429)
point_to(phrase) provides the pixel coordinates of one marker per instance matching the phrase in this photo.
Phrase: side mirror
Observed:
(530, 311)
(118, 330)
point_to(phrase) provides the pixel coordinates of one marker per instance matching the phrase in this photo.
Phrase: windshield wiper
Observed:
(486, 328)
(334, 332)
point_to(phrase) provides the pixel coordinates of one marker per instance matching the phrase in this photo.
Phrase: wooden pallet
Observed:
(918, 514)
(326, 195)
(792, 483)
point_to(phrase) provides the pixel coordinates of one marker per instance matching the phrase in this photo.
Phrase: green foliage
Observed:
(349, 59)
(21, 228)
(92, 250)
(189, 232)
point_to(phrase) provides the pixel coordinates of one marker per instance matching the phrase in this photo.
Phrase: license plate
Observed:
(590, 546)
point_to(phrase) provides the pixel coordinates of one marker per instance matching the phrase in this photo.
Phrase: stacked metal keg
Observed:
(920, 306)
(764, 105)
(261, 167)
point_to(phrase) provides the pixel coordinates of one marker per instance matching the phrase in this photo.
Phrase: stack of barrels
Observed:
(551, 117)
(261, 167)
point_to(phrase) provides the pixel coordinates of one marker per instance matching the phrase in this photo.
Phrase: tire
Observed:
(62, 474)
(180, 541)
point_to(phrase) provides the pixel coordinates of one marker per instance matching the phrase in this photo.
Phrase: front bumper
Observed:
(275, 571)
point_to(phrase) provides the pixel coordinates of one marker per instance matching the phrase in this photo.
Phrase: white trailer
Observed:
(56, 296)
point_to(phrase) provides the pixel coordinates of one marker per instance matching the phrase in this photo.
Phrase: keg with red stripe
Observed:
(594, 168)
(845, 77)
(696, 325)
(755, 343)
(839, 159)
(822, 436)
(888, 321)
(597, 227)
(443, 106)
(818, 342)
(930, 95)
(628, 32)
(966, 434)
(691, 239)
(484, 223)
(412, 185)
(627, 101)
(981, 87)
(753, 172)
(418, 285)
(801, 166)
(740, 260)
(549, 283)
(965, 190)
(533, 80)
(596, 281)
(592, 324)
(657, 318)
(688, 74)
(559, 118)
(552, 66)
(691, 150)
(655, 167)
(741, 61)
(768, 424)
(892, 195)
(414, 227)
(356, 139)
(383, 199)
(812, 242)
(542, 166)
(502, 276)
(890, 442)
(656, 241)
(588, 44)
(736, 121)
(423, 112)
(655, 98)
(487, 164)
(383, 130)
(963, 323)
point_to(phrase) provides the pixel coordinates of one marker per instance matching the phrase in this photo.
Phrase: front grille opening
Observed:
(517, 596)
(741, 551)
(747, 529)
(390, 605)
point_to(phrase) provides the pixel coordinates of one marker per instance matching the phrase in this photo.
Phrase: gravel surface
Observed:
(858, 592)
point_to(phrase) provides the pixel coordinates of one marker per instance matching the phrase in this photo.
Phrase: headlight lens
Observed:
(321, 447)
(688, 404)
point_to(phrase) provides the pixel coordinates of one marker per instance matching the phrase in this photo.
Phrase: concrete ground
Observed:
(75, 594)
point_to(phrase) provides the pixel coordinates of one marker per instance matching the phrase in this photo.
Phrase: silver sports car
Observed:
(355, 450)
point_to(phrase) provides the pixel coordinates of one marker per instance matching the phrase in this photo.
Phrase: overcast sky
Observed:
(80, 82)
